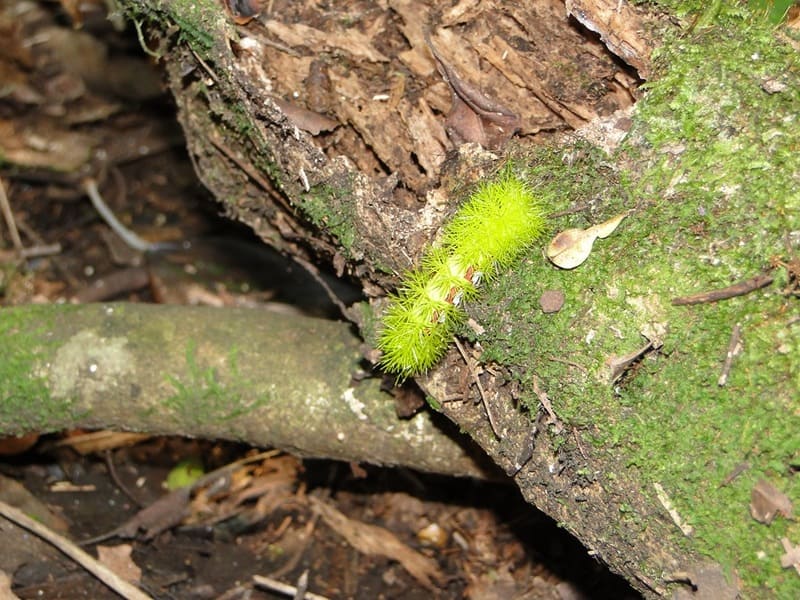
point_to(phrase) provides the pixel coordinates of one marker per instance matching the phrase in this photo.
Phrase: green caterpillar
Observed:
(488, 232)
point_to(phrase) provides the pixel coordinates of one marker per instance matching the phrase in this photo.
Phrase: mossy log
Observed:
(349, 136)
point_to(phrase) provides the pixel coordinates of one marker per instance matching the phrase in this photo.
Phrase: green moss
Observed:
(197, 20)
(368, 322)
(328, 207)
(774, 11)
(704, 13)
(204, 397)
(715, 197)
(21, 389)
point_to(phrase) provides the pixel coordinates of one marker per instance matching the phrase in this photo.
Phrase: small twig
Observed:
(205, 66)
(314, 272)
(128, 236)
(578, 442)
(9, 217)
(481, 392)
(113, 472)
(237, 592)
(281, 47)
(737, 289)
(140, 36)
(32, 252)
(283, 588)
(96, 568)
(41, 250)
(545, 401)
(300, 551)
(737, 470)
(302, 586)
(686, 530)
(564, 361)
(734, 347)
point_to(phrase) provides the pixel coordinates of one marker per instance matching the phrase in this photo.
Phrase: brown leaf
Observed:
(46, 147)
(474, 116)
(372, 540)
(118, 559)
(570, 248)
(618, 365)
(766, 501)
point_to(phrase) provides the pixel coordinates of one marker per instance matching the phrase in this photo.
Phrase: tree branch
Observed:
(249, 375)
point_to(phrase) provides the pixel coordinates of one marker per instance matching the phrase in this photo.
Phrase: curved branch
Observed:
(256, 376)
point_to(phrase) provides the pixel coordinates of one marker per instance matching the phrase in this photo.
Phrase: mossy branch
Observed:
(265, 378)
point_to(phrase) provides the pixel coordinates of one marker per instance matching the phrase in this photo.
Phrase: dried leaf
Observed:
(118, 559)
(98, 441)
(766, 501)
(474, 116)
(46, 147)
(605, 229)
(572, 247)
(372, 540)
(792, 556)
(618, 365)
